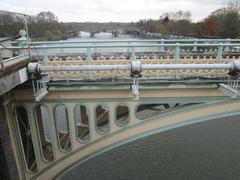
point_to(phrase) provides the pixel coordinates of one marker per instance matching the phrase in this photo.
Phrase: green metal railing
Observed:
(176, 48)
(162, 41)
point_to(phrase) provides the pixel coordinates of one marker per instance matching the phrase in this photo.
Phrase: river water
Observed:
(85, 36)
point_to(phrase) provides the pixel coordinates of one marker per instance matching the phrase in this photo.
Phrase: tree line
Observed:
(222, 23)
(43, 26)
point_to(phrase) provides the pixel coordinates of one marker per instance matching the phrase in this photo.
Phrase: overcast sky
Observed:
(112, 10)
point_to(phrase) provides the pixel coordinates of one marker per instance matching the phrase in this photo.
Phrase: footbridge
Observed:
(82, 109)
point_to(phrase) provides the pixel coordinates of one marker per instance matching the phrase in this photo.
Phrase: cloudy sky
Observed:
(112, 10)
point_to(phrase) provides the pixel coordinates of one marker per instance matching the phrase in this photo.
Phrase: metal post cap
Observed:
(235, 64)
(136, 67)
(33, 68)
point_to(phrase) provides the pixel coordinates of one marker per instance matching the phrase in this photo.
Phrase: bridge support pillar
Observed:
(72, 126)
(57, 153)
(112, 116)
(133, 119)
(92, 122)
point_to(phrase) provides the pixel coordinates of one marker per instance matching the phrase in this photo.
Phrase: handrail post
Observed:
(228, 42)
(61, 49)
(45, 54)
(219, 55)
(128, 48)
(94, 49)
(195, 47)
(162, 48)
(89, 60)
(177, 59)
(133, 52)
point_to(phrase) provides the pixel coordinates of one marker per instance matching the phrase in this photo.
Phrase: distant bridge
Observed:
(61, 108)
(115, 32)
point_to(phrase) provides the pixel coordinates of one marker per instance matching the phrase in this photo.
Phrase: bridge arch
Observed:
(168, 121)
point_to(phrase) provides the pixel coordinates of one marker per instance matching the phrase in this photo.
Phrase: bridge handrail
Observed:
(139, 41)
(122, 46)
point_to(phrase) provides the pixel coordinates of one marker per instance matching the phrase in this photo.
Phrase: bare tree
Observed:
(176, 16)
(233, 5)
(46, 17)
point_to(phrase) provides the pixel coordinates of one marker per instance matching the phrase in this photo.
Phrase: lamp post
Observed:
(24, 33)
